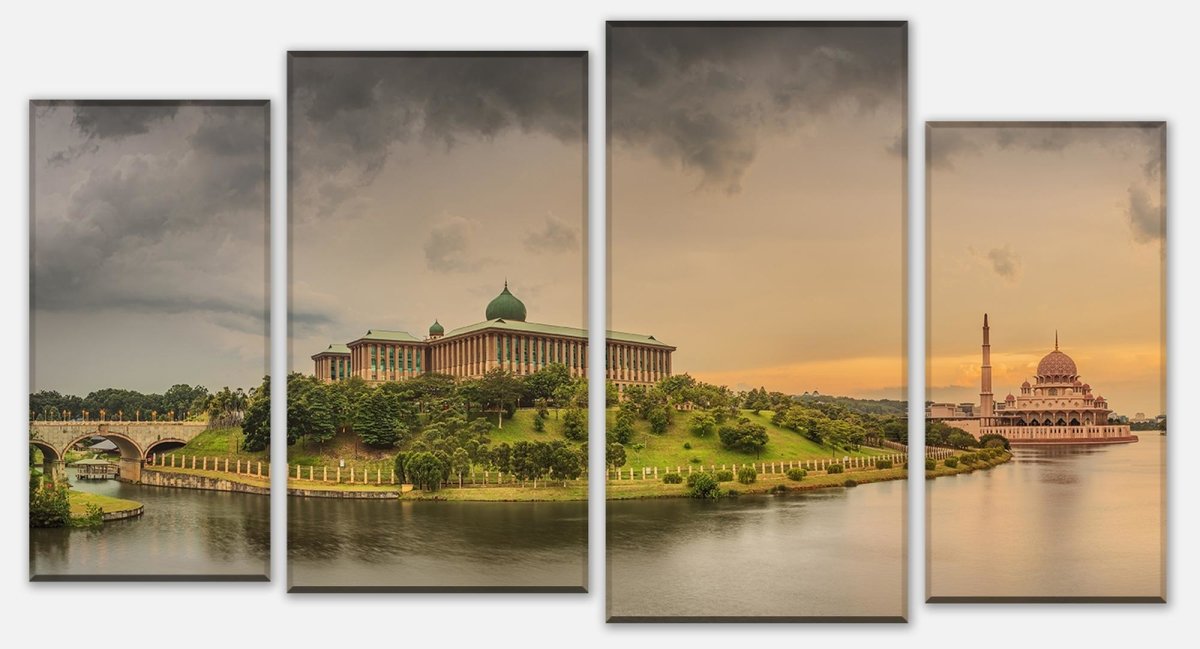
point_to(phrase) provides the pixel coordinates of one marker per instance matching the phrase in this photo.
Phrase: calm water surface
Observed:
(1054, 522)
(183, 533)
(347, 543)
(832, 552)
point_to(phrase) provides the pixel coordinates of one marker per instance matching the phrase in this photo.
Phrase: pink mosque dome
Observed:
(1025, 384)
(1057, 364)
(1010, 397)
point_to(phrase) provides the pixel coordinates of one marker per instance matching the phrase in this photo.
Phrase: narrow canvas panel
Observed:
(756, 423)
(1046, 326)
(149, 409)
(437, 401)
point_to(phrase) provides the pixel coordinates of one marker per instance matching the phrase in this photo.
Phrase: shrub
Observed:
(951, 462)
(425, 470)
(796, 474)
(539, 424)
(748, 475)
(968, 458)
(703, 485)
(695, 460)
(723, 476)
(930, 464)
(687, 445)
(883, 464)
(672, 478)
(692, 478)
(835, 468)
(850, 483)
(398, 464)
(780, 489)
(50, 505)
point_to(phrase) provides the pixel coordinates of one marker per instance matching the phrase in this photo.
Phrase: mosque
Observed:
(503, 339)
(1057, 408)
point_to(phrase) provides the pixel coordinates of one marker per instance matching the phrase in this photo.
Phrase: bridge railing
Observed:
(380, 476)
(236, 466)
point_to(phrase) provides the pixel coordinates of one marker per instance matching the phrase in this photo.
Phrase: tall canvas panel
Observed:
(437, 400)
(1046, 421)
(149, 408)
(756, 435)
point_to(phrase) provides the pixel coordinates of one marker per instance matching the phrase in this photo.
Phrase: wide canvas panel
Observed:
(1046, 361)
(756, 420)
(437, 401)
(149, 407)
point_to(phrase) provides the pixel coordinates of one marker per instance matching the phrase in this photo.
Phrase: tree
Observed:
(400, 466)
(257, 424)
(564, 463)
(660, 419)
(574, 424)
(460, 463)
(614, 455)
(425, 471)
(622, 430)
(375, 421)
(745, 436)
(501, 457)
(703, 424)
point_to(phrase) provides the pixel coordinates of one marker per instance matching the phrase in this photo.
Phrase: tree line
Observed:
(181, 402)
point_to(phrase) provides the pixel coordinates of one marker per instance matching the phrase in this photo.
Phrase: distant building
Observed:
(1057, 408)
(503, 339)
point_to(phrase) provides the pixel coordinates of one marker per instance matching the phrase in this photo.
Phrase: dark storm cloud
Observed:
(350, 111)
(703, 97)
(1145, 216)
(1138, 142)
(117, 121)
(171, 222)
(554, 236)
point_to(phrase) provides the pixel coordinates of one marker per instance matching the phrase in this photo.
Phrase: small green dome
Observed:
(506, 306)
(436, 329)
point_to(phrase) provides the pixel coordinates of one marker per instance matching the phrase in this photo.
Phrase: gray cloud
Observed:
(171, 221)
(106, 120)
(1005, 262)
(451, 246)
(349, 112)
(555, 236)
(1133, 140)
(1145, 216)
(702, 97)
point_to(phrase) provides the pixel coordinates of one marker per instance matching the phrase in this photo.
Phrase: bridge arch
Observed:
(163, 445)
(129, 448)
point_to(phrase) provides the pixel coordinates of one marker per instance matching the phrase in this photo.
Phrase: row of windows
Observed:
(339, 368)
(392, 359)
(538, 351)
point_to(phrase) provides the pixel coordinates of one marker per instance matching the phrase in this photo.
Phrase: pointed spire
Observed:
(1056, 340)
(985, 320)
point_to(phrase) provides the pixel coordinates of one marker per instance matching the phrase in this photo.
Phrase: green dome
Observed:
(506, 306)
(436, 329)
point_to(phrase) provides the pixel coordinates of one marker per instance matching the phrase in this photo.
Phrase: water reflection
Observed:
(833, 552)
(183, 533)
(390, 544)
(1072, 522)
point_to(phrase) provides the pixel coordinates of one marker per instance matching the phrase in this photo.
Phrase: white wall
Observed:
(1011, 60)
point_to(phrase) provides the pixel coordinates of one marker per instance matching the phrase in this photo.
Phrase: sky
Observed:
(420, 183)
(757, 202)
(1047, 228)
(149, 245)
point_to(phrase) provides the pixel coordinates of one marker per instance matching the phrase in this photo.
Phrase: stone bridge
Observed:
(137, 440)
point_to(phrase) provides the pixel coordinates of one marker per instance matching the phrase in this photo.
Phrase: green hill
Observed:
(668, 450)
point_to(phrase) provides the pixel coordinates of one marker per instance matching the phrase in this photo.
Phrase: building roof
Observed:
(554, 330)
(436, 329)
(388, 336)
(1057, 364)
(336, 348)
(505, 306)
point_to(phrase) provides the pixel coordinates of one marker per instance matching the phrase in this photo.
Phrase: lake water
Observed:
(351, 544)
(184, 533)
(1055, 522)
(826, 553)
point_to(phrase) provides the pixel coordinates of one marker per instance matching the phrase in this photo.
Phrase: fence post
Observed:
(324, 474)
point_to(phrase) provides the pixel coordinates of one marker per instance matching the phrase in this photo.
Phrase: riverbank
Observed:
(111, 509)
(941, 470)
(765, 483)
(201, 479)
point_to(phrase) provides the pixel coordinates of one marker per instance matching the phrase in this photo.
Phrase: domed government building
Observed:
(503, 339)
(1056, 408)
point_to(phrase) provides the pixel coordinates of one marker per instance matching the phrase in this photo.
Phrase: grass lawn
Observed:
(221, 442)
(80, 501)
(667, 449)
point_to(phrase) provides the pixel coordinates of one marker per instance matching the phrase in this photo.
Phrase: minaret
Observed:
(986, 407)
